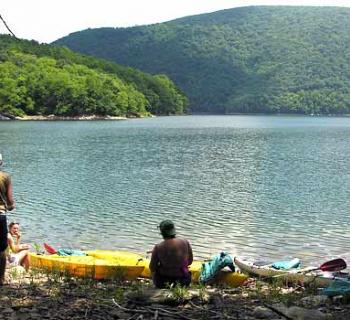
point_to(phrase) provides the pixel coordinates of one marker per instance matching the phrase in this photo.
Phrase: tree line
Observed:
(46, 79)
(251, 59)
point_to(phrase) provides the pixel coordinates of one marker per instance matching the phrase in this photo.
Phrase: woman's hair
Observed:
(12, 224)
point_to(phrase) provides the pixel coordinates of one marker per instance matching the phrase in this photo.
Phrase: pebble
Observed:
(22, 316)
(4, 299)
(314, 301)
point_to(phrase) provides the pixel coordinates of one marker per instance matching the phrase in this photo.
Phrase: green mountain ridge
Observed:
(42, 79)
(250, 59)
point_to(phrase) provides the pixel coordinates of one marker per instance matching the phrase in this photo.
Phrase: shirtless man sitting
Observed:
(171, 258)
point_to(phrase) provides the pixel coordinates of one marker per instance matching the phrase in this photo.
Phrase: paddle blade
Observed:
(333, 265)
(49, 249)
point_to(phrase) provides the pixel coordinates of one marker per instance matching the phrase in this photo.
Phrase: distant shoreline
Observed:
(269, 114)
(98, 117)
(75, 118)
(61, 118)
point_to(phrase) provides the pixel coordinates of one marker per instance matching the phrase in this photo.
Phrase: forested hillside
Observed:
(251, 59)
(47, 79)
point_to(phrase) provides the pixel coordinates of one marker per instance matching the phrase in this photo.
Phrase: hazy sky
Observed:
(48, 20)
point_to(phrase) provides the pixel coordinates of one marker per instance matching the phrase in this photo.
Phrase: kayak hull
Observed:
(232, 279)
(87, 266)
(309, 275)
(109, 264)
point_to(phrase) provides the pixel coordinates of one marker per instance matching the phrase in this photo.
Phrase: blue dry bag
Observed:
(70, 252)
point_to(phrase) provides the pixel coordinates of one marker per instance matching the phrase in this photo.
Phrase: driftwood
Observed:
(278, 311)
(214, 314)
(156, 311)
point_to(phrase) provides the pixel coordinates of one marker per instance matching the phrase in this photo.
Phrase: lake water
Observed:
(267, 187)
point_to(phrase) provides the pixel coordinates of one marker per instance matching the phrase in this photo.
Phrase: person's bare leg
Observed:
(2, 267)
(26, 262)
(23, 258)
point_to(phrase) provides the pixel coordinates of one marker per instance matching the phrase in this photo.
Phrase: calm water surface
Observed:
(258, 186)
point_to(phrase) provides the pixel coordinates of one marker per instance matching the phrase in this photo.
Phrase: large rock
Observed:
(263, 313)
(2, 117)
(298, 313)
(149, 295)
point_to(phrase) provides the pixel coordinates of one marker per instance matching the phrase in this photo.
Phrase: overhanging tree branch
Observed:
(7, 27)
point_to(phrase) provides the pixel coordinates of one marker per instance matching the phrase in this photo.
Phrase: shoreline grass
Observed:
(56, 296)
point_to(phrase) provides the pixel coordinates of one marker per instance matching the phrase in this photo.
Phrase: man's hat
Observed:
(167, 228)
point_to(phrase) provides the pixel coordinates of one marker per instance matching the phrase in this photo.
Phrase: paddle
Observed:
(331, 265)
(49, 249)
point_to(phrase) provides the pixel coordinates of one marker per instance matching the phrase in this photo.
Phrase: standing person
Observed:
(18, 253)
(6, 204)
(171, 258)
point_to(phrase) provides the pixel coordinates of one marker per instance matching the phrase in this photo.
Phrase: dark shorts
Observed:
(3, 232)
(162, 282)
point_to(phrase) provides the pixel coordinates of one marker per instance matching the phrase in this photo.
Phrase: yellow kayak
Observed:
(106, 264)
(232, 279)
(123, 266)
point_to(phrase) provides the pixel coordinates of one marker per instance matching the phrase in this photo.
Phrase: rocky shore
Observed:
(35, 295)
(58, 118)
(75, 118)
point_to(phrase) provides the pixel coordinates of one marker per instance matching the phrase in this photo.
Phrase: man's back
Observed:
(171, 257)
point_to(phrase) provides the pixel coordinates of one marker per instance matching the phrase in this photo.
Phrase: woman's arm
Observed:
(11, 243)
(16, 247)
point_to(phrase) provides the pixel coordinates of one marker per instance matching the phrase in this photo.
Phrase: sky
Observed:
(48, 20)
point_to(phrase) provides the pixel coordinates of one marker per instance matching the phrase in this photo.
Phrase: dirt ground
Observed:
(38, 296)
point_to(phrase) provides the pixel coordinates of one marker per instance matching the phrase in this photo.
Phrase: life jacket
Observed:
(211, 268)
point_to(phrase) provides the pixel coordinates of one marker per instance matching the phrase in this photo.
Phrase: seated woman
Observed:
(17, 252)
